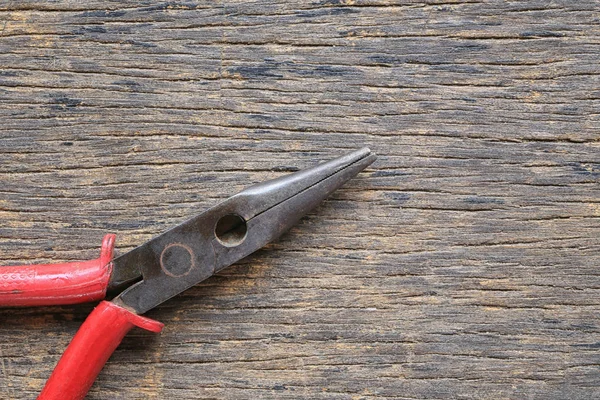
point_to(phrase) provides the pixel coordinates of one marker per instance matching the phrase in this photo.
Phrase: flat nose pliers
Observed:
(165, 266)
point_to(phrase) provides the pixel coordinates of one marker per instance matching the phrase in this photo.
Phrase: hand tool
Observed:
(165, 266)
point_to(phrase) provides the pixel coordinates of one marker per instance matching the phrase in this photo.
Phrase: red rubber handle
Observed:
(89, 350)
(51, 284)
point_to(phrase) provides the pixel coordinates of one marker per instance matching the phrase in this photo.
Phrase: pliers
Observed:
(165, 266)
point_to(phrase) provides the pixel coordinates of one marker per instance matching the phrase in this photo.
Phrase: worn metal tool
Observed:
(165, 266)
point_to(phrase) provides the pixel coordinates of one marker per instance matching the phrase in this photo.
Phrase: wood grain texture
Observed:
(462, 265)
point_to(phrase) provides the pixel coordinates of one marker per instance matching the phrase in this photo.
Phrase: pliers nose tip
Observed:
(325, 178)
(308, 184)
(279, 203)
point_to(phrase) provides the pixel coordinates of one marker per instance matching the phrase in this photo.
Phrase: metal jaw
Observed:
(193, 251)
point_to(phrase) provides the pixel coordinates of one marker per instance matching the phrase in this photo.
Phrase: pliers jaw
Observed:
(263, 212)
(228, 232)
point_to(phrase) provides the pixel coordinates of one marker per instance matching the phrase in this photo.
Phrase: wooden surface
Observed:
(462, 265)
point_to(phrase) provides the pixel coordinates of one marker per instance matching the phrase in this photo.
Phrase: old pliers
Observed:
(165, 266)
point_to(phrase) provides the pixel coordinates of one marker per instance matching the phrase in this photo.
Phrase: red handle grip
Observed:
(51, 284)
(89, 350)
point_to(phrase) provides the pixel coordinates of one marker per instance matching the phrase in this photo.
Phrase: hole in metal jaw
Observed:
(231, 230)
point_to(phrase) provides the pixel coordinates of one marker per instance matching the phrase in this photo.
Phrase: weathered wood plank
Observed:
(463, 264)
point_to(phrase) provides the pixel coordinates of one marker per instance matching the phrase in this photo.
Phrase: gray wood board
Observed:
(463, 264)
